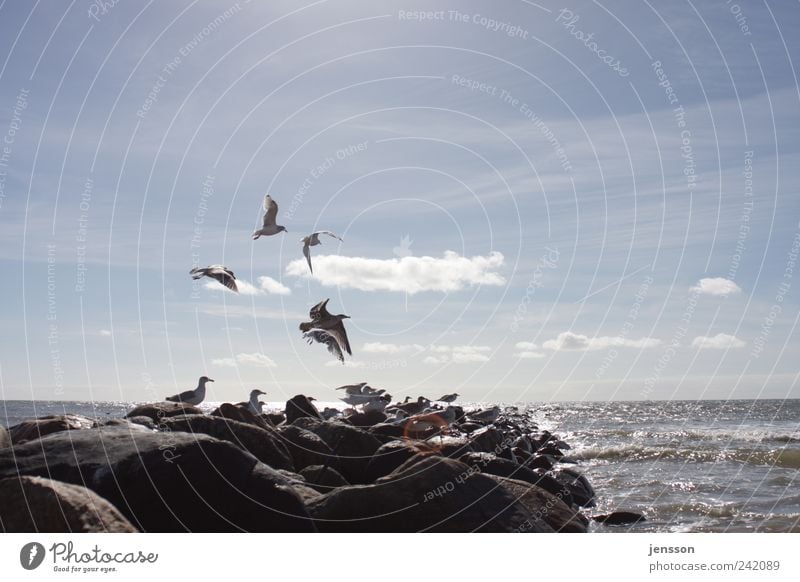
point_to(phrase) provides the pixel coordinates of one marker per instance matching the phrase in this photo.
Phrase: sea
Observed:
(688, 466)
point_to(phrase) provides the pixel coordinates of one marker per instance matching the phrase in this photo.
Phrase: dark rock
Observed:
(155, 411)
(240, 414)
(265, 445)
(301, 407)
(406, 466)
(390, 431)
(323, 478)
(127, 424)
(145, 421)
(437, 494)
(33, 429)
(487, 440)
(305, 447)
(393, 454)
(166, 481)
(492, 465)
(450, 446)
(544, 462)
(366, 419)
(352, 447)
(620, 518)
(37, 505)
(582, 491)
(275, 418)
(469, 427)
(550, 449)
(545, 506)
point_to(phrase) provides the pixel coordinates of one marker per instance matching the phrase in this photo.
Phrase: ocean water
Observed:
(688, 466)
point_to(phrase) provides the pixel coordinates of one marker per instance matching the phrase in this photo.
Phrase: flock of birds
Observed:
(324, 327)
(328, 329)
(364, 399)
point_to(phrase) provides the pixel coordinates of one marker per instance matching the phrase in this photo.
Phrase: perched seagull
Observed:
(254, 405)
(222, 274)
(193, 397)
(486, 415)
(378, 404)
(270, 215)
(312, 240)
(448, 398)
(327, 329)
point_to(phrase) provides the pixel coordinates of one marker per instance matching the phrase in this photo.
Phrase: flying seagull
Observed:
(327, 329)
(312, 240)
(222, 274)
(193, 397)
(270, 215)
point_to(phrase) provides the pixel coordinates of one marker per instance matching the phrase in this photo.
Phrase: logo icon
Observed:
(404, 248)
(31, 555)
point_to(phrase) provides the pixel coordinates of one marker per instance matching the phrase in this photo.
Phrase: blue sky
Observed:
(538, 201)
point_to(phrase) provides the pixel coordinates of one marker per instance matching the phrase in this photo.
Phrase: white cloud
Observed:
(266, 285)
(721, 341)
(407, 274)
(461, 354)
(526, 346)
(104, 332)
(716, 286)
(257, 360)
(529, 355)
(386, 348)
(578, 342)
(346, 364)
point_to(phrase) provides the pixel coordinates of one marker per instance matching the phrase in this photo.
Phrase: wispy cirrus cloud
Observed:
(721, 341)
(389, 348)
(256, 360)
(409, 274)
(716, 286)
(569, 341)
(266, 286)
(528, 351)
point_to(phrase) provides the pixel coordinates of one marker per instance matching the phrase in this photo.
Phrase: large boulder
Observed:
(300, 407)
(487, 440)
(156, 411)
(29, 430)
(582, 491)
(265, 445)
(387, 431)
(305, 447)
(620, 518)
(38, 505)
(166, 482)
(437, 494)
(323, 478)
(366, 419)
(241, 414)
(543, 505)
(393, 454)
(352, 447)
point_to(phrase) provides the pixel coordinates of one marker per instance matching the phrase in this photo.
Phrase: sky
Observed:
(582, 201)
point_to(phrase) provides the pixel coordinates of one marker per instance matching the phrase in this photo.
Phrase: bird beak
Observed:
(210, 380)
(345, 317)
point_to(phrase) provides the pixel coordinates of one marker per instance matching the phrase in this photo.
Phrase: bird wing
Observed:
(224, 276)
(329, 340)
(197, 272)
(340, 334)
(319, 311)
(307, 253)
(182, 396)
(270, 211)
(329, 233)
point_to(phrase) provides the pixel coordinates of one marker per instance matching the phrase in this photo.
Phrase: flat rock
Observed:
(300, 407)
(29, 430)
(38, 505)
(155, 411)
(545, 506)
(166, 481)
(437, 494)
(265, 445)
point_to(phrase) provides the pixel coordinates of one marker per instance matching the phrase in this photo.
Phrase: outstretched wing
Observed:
(340, 334)
(329, 233)
(329, 340)
(319, 311)
(307, 253)
(270, 211)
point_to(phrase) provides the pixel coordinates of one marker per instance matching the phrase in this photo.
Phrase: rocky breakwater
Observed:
(173, 468)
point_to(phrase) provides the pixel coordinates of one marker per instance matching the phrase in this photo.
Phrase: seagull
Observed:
(448, 398)
(193, 397)
(312, 240)
(327, 329)
(222, 274)
(254, 405)
(378, 404)
(487, 415)
(354, 388)
(270, 214)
